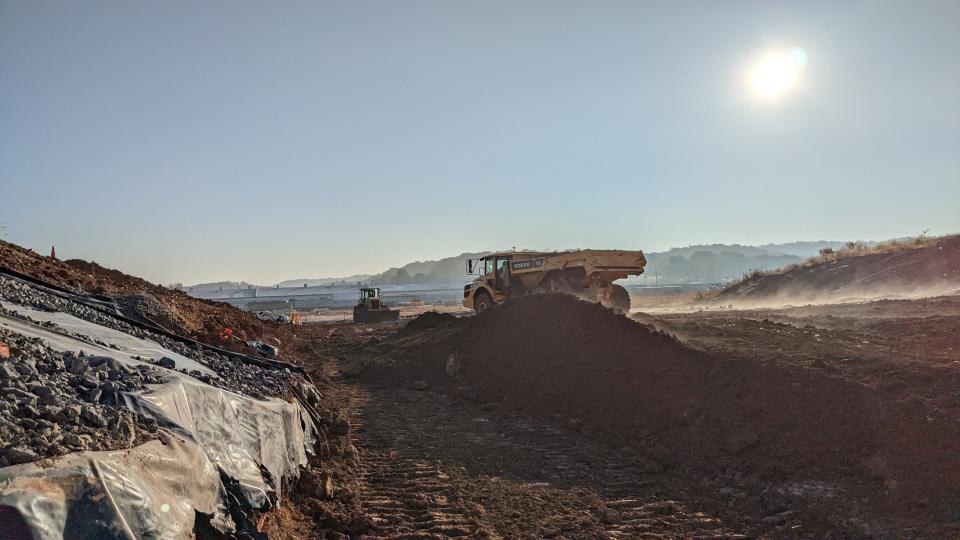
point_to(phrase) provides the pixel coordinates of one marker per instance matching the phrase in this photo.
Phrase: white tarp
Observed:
(126, 345)
(152, 491)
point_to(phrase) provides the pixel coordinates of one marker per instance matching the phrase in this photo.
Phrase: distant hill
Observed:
(442, 270)
(447, 269)
(700, 263)
(896, 269)
(711, 265)
(716, 263)
(216, 286)
(313, 282)
(805, 249)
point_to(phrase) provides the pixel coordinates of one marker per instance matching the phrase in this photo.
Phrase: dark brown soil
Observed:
(774, 422)
(202, 320)
(426, 321)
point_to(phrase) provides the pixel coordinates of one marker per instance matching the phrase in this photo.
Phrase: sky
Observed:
(191, 141)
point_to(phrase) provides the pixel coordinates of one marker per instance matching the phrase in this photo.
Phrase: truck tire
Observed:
(482, 302)
(619, 298)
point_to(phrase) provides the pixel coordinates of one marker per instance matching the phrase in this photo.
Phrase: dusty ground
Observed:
(919, 269)
(407, 311)
(437, 465)
(907, 345)
(446, 461)
(907, 352)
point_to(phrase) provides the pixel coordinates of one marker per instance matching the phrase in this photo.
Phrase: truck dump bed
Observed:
(594, 261)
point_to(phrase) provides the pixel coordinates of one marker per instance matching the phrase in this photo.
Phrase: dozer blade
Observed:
(375, 316)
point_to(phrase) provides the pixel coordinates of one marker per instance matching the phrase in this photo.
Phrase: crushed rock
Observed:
(54, 403)
(234, 375)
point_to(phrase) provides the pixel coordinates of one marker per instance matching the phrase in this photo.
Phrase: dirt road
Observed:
(435, 465)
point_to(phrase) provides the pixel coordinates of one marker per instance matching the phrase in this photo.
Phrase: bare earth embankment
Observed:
(921, 269)
(57, 404)
(822, 431)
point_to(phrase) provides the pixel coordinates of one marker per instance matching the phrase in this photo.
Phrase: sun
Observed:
(776, 72)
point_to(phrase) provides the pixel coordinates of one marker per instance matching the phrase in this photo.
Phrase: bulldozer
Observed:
(585, 273)
(371, 309)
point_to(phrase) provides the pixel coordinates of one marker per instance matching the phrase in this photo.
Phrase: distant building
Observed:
(338, 295)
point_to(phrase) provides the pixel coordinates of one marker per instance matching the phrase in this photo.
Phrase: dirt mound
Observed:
(555, 355)
(203, 320)
(426, 321)
(110, 281)
(596, 371)
(175, 310)
(895, 270)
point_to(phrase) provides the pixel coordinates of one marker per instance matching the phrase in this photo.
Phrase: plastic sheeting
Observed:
(126, 345)
(153, 490)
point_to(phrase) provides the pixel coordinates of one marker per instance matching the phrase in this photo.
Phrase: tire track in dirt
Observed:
(407, 498)
(435, 467)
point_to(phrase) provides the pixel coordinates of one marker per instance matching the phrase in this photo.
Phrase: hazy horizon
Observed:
(291, 278)
(197, 142)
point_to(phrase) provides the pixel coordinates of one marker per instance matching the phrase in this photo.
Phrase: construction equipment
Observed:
(371, 309)
(586, 273)
(272, 316)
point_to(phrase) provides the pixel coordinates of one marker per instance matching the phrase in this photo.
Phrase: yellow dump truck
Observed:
(586, 273)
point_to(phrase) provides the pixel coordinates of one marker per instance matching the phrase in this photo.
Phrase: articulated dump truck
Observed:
(585, 273)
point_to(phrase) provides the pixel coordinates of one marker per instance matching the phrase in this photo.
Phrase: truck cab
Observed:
(492, 284)
(370, 297)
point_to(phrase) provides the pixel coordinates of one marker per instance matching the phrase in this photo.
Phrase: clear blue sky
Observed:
(187, 141)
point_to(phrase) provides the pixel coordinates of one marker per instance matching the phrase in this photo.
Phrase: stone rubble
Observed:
(234, 374)
(53, 403)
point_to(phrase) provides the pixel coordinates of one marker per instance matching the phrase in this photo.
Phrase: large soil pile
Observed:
(175, 310)
(203, 320)
(555, 356)
(905, 271)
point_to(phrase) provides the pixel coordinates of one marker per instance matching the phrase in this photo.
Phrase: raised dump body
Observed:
(587, 273)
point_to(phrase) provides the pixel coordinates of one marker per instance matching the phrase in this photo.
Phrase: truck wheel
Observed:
(619, 298)
(482, 302)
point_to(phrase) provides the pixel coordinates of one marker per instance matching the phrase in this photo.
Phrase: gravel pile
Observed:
(54, 403)
(146, 305)
(234, 375)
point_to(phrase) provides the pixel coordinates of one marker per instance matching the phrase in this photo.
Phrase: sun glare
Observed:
(776, 72)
